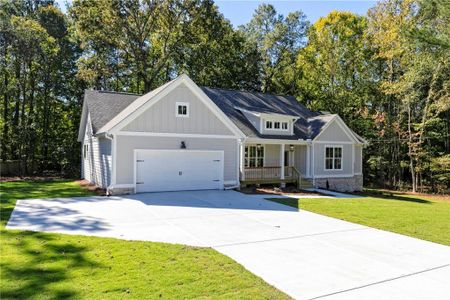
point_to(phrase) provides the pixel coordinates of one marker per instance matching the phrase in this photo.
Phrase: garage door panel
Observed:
(171, 170)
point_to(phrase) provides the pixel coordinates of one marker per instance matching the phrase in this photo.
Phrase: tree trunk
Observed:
(410, 153)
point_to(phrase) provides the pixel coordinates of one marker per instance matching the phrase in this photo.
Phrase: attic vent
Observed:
(325, 112)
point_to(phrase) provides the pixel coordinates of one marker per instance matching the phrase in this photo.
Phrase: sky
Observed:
(240, 12)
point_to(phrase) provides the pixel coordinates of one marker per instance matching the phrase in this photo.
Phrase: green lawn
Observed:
(52, 266)
(426, 218)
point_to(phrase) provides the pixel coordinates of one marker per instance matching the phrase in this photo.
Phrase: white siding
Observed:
(300, 159)
(272, 155)
(254, 120)
(127, 144)
(96, 167)
(161, 117)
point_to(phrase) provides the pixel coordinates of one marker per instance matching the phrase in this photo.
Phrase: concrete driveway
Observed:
(306, 255)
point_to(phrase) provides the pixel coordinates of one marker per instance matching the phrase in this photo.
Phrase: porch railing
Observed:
(266, 174)
(251, 173)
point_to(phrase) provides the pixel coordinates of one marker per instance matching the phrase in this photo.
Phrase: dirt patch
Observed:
(91, 187)
(273, 190)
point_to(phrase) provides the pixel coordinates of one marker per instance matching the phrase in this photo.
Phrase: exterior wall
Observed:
(350, 178)
(358, 159)
(343, 184)
(319, 160)
(334, 133)
(271, 155)
(97, 166)
(300, 159)
(161, 117)
(254, 120)
(86, 163)
(126, 145)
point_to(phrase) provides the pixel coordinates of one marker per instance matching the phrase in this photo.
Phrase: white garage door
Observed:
(178, 170)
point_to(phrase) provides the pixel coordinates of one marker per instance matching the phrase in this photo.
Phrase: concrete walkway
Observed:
(306, 255)
(333, 194)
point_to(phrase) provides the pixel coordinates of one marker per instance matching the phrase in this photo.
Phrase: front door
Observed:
(287, 158)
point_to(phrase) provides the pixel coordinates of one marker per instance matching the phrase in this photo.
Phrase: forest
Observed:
(387, 74)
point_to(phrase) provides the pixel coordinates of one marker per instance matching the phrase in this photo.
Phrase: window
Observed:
(182, 109)
(333, 158)
(277, 125)
(254, 156)
(85, 151)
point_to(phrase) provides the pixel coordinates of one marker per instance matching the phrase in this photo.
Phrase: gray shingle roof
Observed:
(105, 105)
(228, 100)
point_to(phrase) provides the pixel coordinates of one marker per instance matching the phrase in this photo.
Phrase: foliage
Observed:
(386, 74)
(278, 40)
(413, 215)
(53, 266)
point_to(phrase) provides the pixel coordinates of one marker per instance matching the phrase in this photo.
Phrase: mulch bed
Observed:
(273, 190)
(91, 187)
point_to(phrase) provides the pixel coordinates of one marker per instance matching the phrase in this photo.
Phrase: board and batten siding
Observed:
(272, 155)
(127, 144)
(161, 117)
(300, 158)
(333, 133)
(97, 166)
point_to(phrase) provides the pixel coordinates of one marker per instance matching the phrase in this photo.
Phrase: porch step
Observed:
(305, 184)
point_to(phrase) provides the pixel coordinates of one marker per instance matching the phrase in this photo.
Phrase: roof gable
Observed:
(146, 101)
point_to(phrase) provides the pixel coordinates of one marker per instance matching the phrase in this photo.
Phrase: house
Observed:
(181, 136)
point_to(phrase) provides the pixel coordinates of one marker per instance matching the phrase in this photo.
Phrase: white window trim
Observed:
(256, 157)
(177, 104)
(273, 125)
(85, 150)
(325, 158)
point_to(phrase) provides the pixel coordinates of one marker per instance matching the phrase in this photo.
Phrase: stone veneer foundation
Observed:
(343, 184)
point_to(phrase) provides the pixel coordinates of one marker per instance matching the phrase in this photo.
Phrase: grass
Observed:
(51, 266)
(419, 216)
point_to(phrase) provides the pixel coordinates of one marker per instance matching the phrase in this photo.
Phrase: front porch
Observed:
(275, 163)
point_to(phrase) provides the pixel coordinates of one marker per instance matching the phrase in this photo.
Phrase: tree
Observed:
(37, 53)
(278, 40)
(336, 69)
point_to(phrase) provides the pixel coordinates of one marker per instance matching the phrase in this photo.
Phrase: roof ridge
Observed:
(245, 91)
(114, 92)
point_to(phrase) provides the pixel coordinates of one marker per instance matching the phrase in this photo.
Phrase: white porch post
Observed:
(282, 161)
(242, 162)
(308, 159)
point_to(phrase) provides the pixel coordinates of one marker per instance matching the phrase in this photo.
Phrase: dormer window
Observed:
(277, 125)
